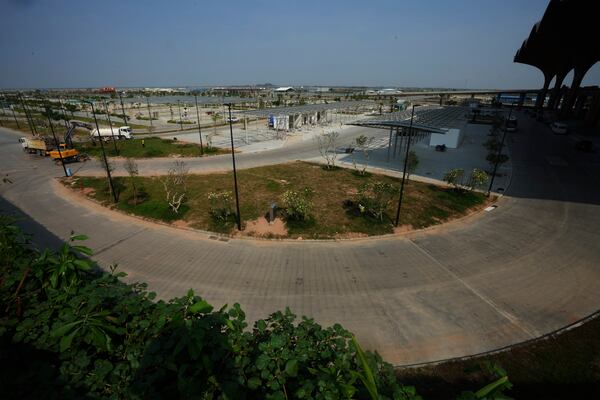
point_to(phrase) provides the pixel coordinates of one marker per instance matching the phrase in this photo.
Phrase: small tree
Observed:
(220, 205)
(362, 143)
(327, 144)
(412, 163)
(374, 198)
(454, 177)
(175, 185)
(132, 169)
(494, 158)
(478, 178)
(298, 205)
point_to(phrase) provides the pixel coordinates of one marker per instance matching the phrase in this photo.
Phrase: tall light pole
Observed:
(123, 108)
(111, 127)
(180, 119)
(56, 142)
(29, 120)
(412, 114)
(499, 153)
(237, 200)
(199, 127)
(149, 113)
(12, 108)
(110, 182)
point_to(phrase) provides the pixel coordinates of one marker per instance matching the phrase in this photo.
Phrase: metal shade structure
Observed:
(308, 108)
(427, 119)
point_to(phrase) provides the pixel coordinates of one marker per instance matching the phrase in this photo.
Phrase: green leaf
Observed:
(200, 307)
(62, 330)
(83, 249)
(65, 341)
(83, 264)
(254, 383)
(291, 367)
(261, 325)
(79, 237)
(367, 379)
(484, 391)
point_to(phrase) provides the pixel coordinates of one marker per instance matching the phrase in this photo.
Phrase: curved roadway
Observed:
(529, 267)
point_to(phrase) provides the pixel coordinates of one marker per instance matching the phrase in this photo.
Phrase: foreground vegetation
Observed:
(70, 331)
(335, 208)
(151, 147)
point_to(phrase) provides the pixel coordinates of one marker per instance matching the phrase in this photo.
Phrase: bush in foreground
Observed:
(68, 330)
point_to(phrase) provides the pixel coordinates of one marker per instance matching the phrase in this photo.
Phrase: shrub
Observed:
(454, 177)
(298, 205)
(220, 205)
(478, 178)
(375, 197)
(86, 334)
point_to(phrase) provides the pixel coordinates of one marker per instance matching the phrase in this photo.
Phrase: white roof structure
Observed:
(284, 89)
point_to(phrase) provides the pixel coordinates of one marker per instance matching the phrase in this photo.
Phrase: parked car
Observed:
(559, 128)
(233, 119)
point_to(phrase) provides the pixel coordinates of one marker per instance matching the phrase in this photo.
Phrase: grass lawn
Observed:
(566, 366)
(153, 147)
(424, 204)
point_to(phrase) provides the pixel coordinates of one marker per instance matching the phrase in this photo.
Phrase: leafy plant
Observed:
(375, 197)
(175, 185)
(220, 205)
(411, 163)
(454, 177)
(298, 204)
(477, 179)
(363, 144)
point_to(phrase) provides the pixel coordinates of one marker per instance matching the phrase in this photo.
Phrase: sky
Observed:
(428, 43)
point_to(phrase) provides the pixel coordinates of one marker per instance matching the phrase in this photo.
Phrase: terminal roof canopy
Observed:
(427, 118)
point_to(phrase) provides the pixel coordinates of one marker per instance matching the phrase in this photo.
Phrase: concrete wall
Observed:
(452, 138)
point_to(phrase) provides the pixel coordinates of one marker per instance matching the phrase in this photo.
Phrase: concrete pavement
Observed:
(528, 267)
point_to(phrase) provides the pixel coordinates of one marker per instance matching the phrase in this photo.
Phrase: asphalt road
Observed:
(527, 268)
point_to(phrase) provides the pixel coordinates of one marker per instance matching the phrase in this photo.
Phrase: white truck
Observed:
(122, 132)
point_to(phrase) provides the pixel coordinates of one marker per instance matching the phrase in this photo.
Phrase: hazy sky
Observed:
(428, 43)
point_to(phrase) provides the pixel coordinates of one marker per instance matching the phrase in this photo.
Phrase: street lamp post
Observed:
(199, 128)
(56, 142)
(111, 127)
(123, 108)
(12, 108)
(149, 113)
(412, 114)
(237, 200)
(498, 154)
(110, 182)
(180, 119)
(27, 116)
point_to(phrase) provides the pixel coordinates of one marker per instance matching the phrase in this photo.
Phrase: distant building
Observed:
(284, 89)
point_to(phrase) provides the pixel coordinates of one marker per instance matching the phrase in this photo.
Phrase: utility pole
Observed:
(111, 127)
(237, 200)
(110, 182)
(199, 125)
(412, 114)
(499, 153)
(56, 142)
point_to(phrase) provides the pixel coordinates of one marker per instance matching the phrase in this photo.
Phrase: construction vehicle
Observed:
(35, 145)
(46, 146)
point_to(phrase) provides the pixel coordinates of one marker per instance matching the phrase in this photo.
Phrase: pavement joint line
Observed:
(532, 333)
(110, 246)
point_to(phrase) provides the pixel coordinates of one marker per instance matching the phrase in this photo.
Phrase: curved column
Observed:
(539, 102)
(580, 72)
(554, 95)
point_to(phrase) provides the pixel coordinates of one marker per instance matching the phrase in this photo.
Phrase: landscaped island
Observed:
(312, 201)
(148, 147)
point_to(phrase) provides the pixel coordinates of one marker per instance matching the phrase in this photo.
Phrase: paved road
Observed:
(527, 268)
